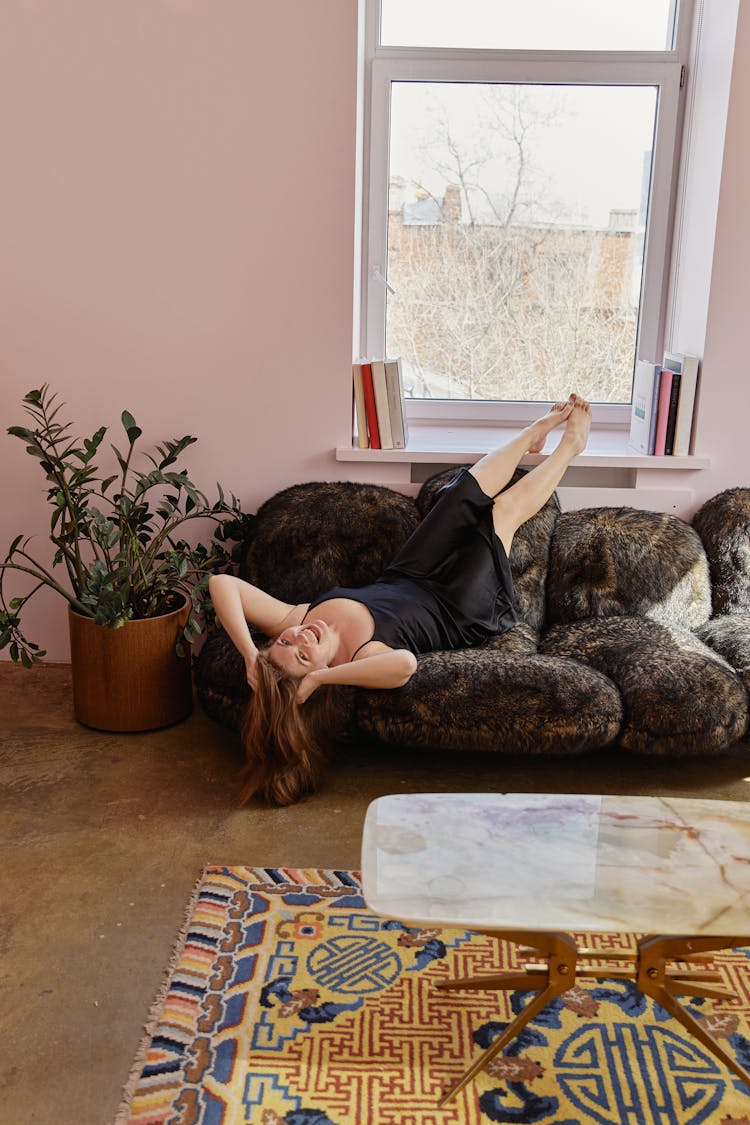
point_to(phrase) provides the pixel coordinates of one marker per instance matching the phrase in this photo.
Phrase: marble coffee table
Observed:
(532, 868)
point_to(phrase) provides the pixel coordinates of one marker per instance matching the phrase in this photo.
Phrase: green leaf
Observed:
(123, 463)
(93, 443)
(25, 658)
(171, 450)
(131, 429)
(22, 432)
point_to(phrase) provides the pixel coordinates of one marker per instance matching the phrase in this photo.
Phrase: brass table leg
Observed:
(556, 978)
(654, 968)
(664, 984)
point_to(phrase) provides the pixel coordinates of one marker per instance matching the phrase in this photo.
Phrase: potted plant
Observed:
(137, 591)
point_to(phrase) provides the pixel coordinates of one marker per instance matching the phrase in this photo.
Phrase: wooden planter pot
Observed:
(130, 678)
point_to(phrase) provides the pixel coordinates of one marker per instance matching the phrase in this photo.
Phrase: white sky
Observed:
(586, 25)
(590, 159)
(586, 161)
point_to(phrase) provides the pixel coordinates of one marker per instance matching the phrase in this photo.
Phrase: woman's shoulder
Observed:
(371, 648)
(296, 616)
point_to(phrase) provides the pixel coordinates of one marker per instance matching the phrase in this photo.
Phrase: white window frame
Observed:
(665, 70)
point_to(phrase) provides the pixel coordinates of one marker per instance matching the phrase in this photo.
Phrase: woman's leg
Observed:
(523, 499)
(495, 470)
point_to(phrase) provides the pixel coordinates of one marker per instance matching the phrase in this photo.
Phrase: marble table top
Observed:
(570, 863)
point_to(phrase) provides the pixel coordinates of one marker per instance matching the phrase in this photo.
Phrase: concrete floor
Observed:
(104, 836)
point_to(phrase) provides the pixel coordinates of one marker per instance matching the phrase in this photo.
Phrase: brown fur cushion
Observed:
(723, 524)
(313, 536)
(678, 697)
(620, 561)
(502, 702)
(729, 635)
(529, 554)
(220, 682)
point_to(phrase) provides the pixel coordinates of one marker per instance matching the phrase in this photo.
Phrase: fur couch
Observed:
(634, 626)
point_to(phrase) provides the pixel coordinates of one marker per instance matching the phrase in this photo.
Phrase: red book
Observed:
(370, 408)
(662, 418)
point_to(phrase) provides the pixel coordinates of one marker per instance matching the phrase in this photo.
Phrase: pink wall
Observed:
(177, 239)
(176, 235)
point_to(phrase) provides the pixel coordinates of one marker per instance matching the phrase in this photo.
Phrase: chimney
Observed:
(620, 219)
(452, 204)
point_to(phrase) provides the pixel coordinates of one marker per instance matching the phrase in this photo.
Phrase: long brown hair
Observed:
(285, 742)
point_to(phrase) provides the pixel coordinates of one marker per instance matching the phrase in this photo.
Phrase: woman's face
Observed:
(304, 648)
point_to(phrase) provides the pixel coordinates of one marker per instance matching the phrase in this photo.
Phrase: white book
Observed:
(381, 404)
(688, 367)
(645, 406)
(395, 385)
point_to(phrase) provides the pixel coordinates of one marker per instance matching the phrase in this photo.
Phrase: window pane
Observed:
(529, 25)
(516, 221)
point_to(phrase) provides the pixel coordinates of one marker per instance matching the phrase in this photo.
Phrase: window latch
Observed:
(384, 280)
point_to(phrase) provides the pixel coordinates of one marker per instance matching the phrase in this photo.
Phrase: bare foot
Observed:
(539, 429)
(579, 424)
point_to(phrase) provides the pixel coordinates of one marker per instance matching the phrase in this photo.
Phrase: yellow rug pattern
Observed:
(289, 1002)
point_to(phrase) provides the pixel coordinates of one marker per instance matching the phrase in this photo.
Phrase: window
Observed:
(520, 173)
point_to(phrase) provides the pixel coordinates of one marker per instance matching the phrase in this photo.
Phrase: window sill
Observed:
(456, 445)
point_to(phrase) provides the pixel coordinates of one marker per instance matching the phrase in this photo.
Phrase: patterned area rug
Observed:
(289, 1002)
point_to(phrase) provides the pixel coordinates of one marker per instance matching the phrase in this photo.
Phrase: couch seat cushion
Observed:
(512, 702)
(678, 696)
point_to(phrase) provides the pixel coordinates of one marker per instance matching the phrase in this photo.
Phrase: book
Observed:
(687, 367)
(645, 406)
(674, 395)
(381, 403)
(665, 390)
(395, 384)
(360, 411)
(370, 408)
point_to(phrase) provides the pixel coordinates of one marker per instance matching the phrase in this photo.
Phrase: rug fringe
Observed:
(154, 1012)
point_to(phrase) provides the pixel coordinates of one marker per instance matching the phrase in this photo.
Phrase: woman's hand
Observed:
(307, 685)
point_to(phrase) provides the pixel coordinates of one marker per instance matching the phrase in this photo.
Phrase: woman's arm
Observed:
(385, 670)
(238, 602)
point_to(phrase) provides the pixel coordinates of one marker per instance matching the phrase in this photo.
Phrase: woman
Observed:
(449, 587)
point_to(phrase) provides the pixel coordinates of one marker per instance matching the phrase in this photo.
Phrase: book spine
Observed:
(399, 429)
(402, 401)
(370, 408)
(688, 367)
(674, 398)
(360, 411)
(665, 387)
(381, 403)
(654, 414)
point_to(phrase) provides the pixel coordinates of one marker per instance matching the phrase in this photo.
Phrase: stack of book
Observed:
(379, 410)
(661, 417)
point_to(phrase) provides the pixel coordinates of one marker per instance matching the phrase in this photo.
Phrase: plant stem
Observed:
(46, 579)
(59, 476)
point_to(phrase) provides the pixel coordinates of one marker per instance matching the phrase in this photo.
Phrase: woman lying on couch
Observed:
(449, 587)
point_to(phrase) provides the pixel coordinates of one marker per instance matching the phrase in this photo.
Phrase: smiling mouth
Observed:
(315, 630)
